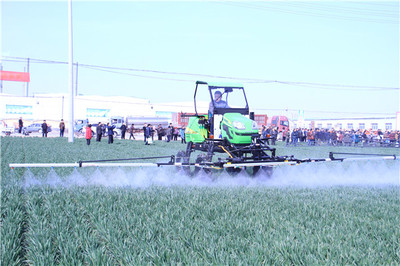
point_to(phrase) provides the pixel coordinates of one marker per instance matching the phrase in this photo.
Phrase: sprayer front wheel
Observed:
(255, 170)
(267, 170)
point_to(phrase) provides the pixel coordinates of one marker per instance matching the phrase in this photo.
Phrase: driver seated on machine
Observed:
(218, 102)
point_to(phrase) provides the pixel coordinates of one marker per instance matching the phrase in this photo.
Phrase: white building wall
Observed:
(99, 109)
(31, 109)
(54, 107)
(383, 123)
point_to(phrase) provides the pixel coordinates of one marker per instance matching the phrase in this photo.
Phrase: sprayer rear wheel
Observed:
(233, 171)
(201, 158)
(182, 158)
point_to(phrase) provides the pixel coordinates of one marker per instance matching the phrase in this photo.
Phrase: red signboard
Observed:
(261, 120)
(14, 76)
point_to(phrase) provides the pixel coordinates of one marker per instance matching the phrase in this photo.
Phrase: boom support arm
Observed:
(228, 163)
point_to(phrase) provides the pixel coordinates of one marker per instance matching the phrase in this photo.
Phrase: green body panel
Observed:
(195, 132)
(235, 135)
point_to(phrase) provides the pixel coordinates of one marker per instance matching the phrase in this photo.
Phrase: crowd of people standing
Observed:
(344, 137)
(312, 137)
(150, 132)
(169, 133)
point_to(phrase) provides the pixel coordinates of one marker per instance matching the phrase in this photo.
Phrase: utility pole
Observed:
(1, 81)
(62, 107)
(76, 79)
(71, 76)
(27, 83)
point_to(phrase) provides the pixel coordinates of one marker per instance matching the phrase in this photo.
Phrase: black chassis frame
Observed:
(254, 152)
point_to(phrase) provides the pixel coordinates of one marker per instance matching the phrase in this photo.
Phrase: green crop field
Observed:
(332, 213)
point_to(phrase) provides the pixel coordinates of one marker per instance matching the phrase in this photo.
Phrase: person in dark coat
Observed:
(44, 129)
(20, 125)
(144, 132)
(295, 136)
(170, 132)
(104, 129)
(182, 134)
(333, 138)
(160, 132)
(274, 136)
(123, 130)
(266, 134)
(132, 130)
(62, 128)
(110, 131)
(99, 132)
(152, 131)
(147, 134)
(287, 137)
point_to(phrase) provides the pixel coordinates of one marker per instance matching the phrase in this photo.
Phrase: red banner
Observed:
(14, 76)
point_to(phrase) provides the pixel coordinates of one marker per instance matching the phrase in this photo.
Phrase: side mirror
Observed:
(251, 115)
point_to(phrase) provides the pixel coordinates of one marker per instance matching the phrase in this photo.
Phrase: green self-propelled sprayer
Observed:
(227, 129)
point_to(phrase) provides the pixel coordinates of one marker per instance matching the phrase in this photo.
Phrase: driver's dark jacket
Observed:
(219, 104)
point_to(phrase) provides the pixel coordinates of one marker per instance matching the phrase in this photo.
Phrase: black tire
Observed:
(233, 171)
(179, 158)
(256, 169)
(267, 171)
(201, 158)
(182, 158)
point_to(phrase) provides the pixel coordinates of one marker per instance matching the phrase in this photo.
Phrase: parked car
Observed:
(35, 127)
(5, 129)
(80, 125)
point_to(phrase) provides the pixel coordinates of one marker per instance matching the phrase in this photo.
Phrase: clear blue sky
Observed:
(319, 42)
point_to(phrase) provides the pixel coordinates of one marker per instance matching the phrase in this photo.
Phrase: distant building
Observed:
(374, 123)
(53, 107)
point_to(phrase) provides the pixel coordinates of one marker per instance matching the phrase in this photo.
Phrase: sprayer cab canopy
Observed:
(225, 97)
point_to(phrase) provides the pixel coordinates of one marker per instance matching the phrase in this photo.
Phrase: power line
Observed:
(272, 6)
(180, 105)
(334, 7)
(130, 74)
(97, 67)
(123, 71)
(337, 86)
